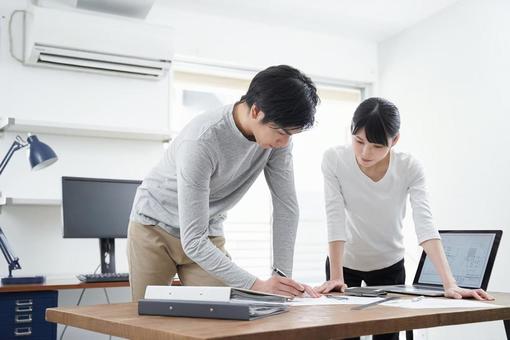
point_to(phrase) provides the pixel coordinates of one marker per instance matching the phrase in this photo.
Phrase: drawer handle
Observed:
(23, 309)
(23, 318)
(27, 302)
(25, 331)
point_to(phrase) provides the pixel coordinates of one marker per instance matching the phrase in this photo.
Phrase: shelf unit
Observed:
(9, 124)
(68, 129)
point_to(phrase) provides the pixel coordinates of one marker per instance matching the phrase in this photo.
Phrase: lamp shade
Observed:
(41, 155)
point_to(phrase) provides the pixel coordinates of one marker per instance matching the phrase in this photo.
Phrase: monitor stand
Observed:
(107, 253)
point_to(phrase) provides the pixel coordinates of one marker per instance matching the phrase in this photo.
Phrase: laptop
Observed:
(471, 255)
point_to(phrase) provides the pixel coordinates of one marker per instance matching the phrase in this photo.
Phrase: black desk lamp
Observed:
(41, 155)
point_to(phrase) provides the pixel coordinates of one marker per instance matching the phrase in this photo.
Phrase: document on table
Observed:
(439, 303)
(324, 300)
(403, 303)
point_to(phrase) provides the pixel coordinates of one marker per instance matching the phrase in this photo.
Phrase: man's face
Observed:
(269, 135)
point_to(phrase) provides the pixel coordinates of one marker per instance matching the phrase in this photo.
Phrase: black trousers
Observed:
(394, 274)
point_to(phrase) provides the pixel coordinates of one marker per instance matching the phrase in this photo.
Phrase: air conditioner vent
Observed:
(86, 64)
(105, 44)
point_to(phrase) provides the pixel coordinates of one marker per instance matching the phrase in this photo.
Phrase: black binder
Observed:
(209, 309)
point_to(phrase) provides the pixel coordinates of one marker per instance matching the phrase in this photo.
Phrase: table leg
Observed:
(507, 328)
(409, 335)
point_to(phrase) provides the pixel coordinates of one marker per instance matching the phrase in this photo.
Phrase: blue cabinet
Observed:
(22, 315)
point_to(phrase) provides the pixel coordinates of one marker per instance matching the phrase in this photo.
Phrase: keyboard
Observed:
(103, 277)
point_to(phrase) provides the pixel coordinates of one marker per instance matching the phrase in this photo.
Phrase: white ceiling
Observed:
(372, 20)
(132, 8)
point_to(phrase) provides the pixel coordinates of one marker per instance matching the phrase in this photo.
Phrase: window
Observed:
(194, 93)
(332, 127)
(248, 226)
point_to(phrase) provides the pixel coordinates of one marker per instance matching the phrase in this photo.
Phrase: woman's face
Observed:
(369, 154)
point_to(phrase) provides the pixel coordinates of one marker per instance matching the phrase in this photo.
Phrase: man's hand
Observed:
(331, 286)
(283, 286)
(455, 292)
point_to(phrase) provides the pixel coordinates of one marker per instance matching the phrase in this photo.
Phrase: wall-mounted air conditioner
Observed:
(81, 41)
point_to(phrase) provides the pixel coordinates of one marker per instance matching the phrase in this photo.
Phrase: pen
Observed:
(375, 303)
(336, 297)
(418, 298)
(282, 274)
(279, 272)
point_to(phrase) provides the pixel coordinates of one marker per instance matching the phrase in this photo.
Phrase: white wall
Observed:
(65, 96)
(255, 45)
(449, 77)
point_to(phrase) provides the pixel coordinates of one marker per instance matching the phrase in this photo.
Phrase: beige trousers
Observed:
(155, 256)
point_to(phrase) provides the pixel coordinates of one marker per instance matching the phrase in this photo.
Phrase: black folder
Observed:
(209, 309)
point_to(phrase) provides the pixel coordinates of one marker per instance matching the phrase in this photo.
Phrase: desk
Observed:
(65, 283)
(304, 322)
(58, 284)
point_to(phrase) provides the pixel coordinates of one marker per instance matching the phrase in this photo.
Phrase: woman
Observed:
(366, 187)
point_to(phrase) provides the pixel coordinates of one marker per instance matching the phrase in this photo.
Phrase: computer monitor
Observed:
(98, 208)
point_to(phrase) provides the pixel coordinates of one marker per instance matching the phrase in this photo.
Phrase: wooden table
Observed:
(304, 322)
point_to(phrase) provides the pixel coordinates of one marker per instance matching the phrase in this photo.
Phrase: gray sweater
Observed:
(206, 170)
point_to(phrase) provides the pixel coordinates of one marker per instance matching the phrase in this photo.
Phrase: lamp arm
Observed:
(16, 145)
(8, 257)
(11, 259)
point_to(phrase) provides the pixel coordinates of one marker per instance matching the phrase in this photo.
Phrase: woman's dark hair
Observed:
(286, 96)
(380, 119)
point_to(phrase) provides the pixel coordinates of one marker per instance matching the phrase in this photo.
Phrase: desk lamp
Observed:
(40, 156)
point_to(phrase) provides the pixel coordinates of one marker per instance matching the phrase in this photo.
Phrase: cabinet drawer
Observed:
(21, 333)
(22, 315)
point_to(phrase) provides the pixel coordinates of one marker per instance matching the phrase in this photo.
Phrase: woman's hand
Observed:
(283, 286)
(455, 292)
(331, 286)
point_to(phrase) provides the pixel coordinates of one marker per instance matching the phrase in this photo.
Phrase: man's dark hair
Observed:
(380, 119)
(286, 96)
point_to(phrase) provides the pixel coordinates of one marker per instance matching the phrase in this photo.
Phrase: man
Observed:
(176, 221)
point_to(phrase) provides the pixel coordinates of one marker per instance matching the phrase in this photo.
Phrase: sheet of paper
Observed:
(323, 300)
(438, 303)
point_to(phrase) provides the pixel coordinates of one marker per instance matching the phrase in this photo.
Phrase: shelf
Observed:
(33, 126)
(29, 201)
